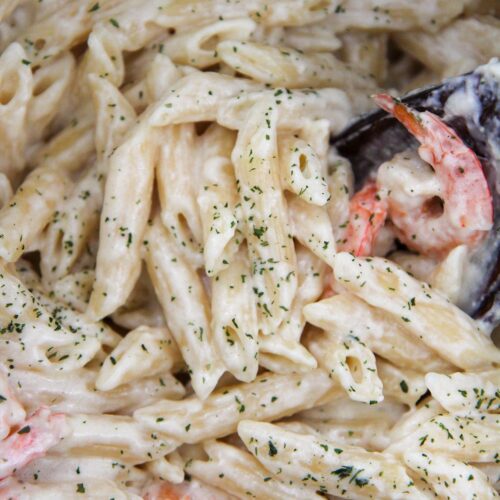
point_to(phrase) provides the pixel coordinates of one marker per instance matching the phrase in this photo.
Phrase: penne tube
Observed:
(5, 190)
(349, 471)
(338, 315)
(143, 352)
(74, 289)
(198, 47)
(366, 53)
(324, 104)
(124, 220)
(175, 171)
(185, 305)
(118, 437)
(217, 200)
(234, 318)
(424, 313)
(65, 490)
(468, 439)
(67, 236)
(405, 15)
(294, 69)
(169, 468)
(114, 117)
(16, 87)
(282, 355)
(301, 170)
(474, 38)
(363, 433)
(402, 384)
(414, 418)
(283, 352)
(32, 333)
(29, 211)
(319, 37)
(84, 470)
(466, 393)
(270, 246)
(51, 84)
(183, 103)
(341, 186)
(450, 478)
(239, 473)
(312, 227)
(193, 420)
(350, 362)
(447, 276)
(70, 149)
(75, 391)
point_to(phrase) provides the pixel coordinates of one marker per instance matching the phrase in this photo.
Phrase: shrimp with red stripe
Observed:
(367, 214)
(32, 439)
(460, 210)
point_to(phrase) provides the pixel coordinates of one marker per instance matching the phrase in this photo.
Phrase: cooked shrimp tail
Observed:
(465, 189)
(31, 440)
(367, 214)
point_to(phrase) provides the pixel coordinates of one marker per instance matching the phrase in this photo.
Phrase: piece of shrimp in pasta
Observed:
(466, 213)
(32, 440)
(367, 214)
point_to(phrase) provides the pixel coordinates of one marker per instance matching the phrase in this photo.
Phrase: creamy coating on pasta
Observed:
(195, 300)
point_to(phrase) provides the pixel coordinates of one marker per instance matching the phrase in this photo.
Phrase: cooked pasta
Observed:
(201, 296)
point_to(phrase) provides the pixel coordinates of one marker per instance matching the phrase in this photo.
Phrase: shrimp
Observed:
(367, 214)
(32, 439)
(466, 213)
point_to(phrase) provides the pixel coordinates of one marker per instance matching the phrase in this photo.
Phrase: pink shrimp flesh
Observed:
(467, 199)
(367, 214)
(31, 440)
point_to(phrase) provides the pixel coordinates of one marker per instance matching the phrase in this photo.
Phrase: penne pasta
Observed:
(450, 477)
(199, 47)
(121, 232)
(466, 393)
(29, 211)
(423, 312)
(217, 200)
(238, 473)
(348, 471)
(175, 171)
(234, 318)
(16, 87)
(301, 171)
(286, 66)
(193, 420)
(474, 38)
(351, 363)
(75, 391)
(270, 246)
(179, 289)
(345, 314)
(118, 437)
(143, 352)
(179, 318)
(466, 439)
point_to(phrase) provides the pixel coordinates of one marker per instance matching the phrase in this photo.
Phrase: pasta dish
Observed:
(217, 281)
